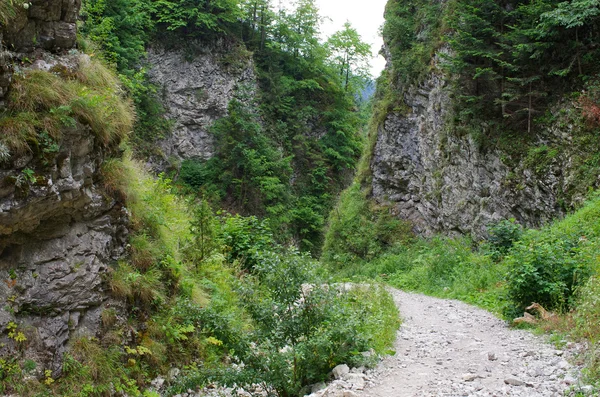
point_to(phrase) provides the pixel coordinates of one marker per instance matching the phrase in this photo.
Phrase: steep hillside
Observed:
(119, 282)
(456, 145)
(59, 229)
(196, 88)
(261, 117)
(477, 182)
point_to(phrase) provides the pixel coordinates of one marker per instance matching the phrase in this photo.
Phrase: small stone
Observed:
(158, 383)
(492, 356)
(470, 377)
(318, 386)
(339, 371)
(174, 373)
(357, 381)
(514, 382)
(569, 380)
(563, 364)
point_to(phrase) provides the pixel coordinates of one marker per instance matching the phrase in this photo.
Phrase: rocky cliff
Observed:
(36, 25)
(46, 24)
(443, 181)
(196, 90)
(59, 229)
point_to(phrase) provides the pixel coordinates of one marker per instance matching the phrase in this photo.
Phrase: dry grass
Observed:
(41, 101)
(8, 10)
(18, 131)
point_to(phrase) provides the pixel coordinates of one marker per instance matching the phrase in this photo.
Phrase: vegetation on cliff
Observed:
(196, 289)
(42, 103)
(201, 290)
(296, 147)
(520, 72)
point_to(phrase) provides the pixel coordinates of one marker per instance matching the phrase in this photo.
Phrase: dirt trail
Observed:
(448, 348)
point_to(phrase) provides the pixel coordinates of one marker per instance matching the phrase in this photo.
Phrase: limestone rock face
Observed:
(43, 25)
(46, 24)
(443, 182)
(5, 74)
(59, 231)
(196, 91)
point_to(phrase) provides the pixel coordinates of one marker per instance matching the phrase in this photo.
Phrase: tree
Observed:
(258, 18)
(479, 56)
(121, 28)
(574, 16)
(350, 54)
(298, 33)
(197, 16)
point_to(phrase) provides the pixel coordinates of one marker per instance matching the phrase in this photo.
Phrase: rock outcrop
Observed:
(196, 91)
(59, 231)
(445, 182)
(46, 24)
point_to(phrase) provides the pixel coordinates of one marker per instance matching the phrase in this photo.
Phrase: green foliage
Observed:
(121, 29)
(304, 327)
(539, 158)
(193, 17)
(8, 10)
(547, 266)
(245, 238)
(412, 33)
(204, 232)
(359, 230)
(514, 59)
(350, 55)
(587, 325)
(503, 235)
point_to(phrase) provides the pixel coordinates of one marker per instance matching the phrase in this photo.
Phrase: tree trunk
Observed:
(529, 112)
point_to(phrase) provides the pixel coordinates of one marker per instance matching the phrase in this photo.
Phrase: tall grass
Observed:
(42, 102)
(8, 9)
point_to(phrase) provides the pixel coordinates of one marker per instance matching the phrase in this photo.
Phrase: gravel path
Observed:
(449, 348)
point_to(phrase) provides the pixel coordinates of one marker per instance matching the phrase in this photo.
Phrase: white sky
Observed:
(366, 16)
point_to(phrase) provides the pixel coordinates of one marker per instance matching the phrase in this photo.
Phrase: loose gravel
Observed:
(448, 348)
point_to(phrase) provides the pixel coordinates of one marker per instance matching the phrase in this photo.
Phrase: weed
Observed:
(14, 333)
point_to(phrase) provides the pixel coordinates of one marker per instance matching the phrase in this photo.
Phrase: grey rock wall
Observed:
(45, 24)
(42, 25)
(196, 90)
(59, 231)
(442, 182)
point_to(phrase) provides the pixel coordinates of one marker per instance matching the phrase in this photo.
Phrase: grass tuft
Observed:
(46, 102)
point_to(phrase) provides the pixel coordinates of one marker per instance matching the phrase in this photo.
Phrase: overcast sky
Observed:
(366, 16)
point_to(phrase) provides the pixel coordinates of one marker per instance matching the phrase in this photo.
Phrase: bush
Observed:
(304, 328)
(245, 238)
(503, 234)
(547, 266)
(360, 230)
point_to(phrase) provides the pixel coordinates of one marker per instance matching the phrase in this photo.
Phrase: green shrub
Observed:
(547, 266)
(360, 230)
(304, 327)
(503, 235)
(245, 238)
